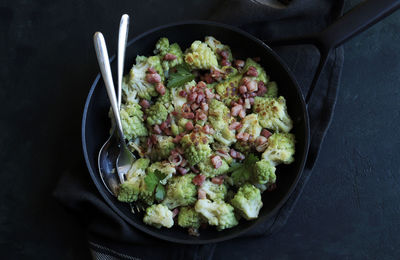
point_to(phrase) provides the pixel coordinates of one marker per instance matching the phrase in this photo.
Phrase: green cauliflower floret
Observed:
(272, 113)
(218, 116)
(132, 121)
(180, 191)
(228, 72)
(157, 114)
(264, 172)
(166, 168)
(200, 56)
(207, 168)
(177, 100)
(130, 189)
(242, 172)
(217, 47)
(158, 215)
(166, 100)
(244, 147)
(162, 149)
(250, 125)
(272, 89)
(189, 218)
(281, 148)
(225, 136)
(248, 201)
(175, 50)
(214, 191)
(196, 147)
(228, 89)
(217, 213)
(135, 82)
(262, 75)
(155, 63)
(146, 195)
(162, 47)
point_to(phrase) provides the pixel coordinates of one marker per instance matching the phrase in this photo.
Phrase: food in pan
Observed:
(211, 131)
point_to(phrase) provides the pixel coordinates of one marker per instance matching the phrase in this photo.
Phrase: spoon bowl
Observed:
(106, 162)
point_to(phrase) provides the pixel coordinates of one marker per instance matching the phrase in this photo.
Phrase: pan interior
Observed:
(96, 124)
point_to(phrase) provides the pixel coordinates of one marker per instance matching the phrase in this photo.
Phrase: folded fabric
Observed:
(112, 238)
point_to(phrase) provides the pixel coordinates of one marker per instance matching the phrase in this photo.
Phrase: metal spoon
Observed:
(109, 152)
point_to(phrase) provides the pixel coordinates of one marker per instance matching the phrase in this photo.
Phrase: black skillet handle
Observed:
(356, 21)
(352, 23)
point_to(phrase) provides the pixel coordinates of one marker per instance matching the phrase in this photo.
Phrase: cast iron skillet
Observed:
(95, 123)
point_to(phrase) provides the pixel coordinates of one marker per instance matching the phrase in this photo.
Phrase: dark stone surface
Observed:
(349, 208)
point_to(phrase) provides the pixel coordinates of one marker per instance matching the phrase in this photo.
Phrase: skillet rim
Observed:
(100, 186)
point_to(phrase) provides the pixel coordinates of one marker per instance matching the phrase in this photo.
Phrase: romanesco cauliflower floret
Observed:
(272, 113)
(162, 47)
(214, 191)
(217, 47)
(217, 213)
(264, 172)
(228, 72)
(174, 49)
(132, 121)
(165, 168)
(162, 149)
(177, 100)
(135, 82)
(208, 169)
(242, 173)
(180, 191)
(248, 201)
(251, 126)
(281, 148)
(228, 89)
(262, 75)
(244, 147)
(155, 63)
(157, 114)
(218, 116)
(200, 56)
(225, 136)
(146, 195)
(130, 189)
(188, 218)
(158, 215)
(196, 147)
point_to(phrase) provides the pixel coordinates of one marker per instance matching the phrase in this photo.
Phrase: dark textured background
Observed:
(349, 209)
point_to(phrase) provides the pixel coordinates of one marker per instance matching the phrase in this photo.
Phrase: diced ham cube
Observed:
(199, 179)
(216, 161)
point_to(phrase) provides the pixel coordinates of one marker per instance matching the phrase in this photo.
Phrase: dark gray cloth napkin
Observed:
(112, 238)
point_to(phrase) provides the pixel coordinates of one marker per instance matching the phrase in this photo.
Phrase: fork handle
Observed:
(104, 64)
(122, 38)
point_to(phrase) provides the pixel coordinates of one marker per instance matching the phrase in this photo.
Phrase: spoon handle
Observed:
(104, 64)
(122, 38)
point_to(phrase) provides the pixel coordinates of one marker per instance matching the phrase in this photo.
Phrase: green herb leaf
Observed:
(160, 192)
(152, 179)
(181, 76)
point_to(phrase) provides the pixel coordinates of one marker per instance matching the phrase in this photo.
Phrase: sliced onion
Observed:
(223, 155)
(175, 159)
